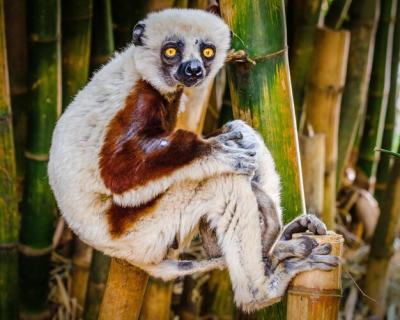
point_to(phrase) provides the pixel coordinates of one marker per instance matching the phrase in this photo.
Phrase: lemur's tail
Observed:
(171, 268)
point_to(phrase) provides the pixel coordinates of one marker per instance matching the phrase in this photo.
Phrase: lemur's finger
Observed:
(230, 135)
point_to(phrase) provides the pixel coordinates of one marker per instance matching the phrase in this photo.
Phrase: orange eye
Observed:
(170, 52)
(208, 52)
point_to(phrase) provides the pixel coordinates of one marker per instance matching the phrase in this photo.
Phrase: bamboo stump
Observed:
(315, 295)
(124, 292)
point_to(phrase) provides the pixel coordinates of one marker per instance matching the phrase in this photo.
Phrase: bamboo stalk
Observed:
(189, 307)
(38, 206)
(103, 37)
(312, 149)
(337, 13)
(322, 103)
(124, 292)
(315, 295)
(77, 30)
(307, 14)
(388, 142)
(376, 281)
(9, 218)
(92, 284)
(97, 282)
(125, 15)
(261, 94)
(15, 20)
(157, 300)
(218, 299)
(76, 40)
(378, 94)
(364, 15)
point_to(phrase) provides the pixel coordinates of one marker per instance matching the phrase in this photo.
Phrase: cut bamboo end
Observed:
(315, 295)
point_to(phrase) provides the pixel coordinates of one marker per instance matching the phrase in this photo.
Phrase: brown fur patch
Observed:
(141, 145)
(120, 219)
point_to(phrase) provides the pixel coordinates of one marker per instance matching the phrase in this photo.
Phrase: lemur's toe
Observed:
(305, 246)
(326, 259)
(323, 249)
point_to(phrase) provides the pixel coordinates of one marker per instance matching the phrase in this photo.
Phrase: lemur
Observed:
(131, 185)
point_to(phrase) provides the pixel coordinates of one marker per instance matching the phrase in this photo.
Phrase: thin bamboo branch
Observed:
(389, 128)
(337, 14)
(376, 281)
(378, 94)
(364, 16)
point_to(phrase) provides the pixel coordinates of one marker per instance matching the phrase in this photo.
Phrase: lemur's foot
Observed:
(305, 222)
(302, 247)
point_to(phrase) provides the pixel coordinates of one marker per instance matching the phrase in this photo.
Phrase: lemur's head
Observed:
(180, 47)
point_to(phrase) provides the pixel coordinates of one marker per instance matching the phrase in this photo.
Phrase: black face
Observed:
(189, 72)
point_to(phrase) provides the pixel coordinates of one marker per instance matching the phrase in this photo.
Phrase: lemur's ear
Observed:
(214, 8)
(137, 35)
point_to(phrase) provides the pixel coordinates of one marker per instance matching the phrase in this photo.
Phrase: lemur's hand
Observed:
(238, 160)
(305, 222)
(250, 140)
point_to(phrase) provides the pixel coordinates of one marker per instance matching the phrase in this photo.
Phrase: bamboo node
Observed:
(37, 157)
(34, 252)
(241, 56)
(7, 246)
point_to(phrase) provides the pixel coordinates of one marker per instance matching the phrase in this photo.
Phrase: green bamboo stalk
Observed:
(76, 29)
(76, 41)
(307, 16)
(97, 283)
(337, 13)
(364, 16)
(9, 217)
(125, 15)
(102, 49)
(385, 162)
(103, 37)
(376, 281)
(15, 20)
(378, 93)
(38, 206)
(261, 94)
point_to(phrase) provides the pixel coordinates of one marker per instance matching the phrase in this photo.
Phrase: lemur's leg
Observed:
(268, 179)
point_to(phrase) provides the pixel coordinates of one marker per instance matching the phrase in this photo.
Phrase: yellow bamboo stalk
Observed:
(322, 103)
(124, 292)
(315, 295)
(312, 150)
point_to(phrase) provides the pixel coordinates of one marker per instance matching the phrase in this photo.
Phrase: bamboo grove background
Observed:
(324, 84)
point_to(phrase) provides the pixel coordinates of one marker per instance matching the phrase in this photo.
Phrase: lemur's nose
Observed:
(193, 68)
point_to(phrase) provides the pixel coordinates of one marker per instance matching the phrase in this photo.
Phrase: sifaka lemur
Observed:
(131, 185)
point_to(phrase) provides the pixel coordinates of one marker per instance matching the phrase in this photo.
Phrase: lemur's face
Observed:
(180, 47)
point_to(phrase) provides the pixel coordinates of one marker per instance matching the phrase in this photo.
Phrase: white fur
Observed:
(207, 187)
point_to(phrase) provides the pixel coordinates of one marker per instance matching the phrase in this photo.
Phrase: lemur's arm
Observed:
(142, 156)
